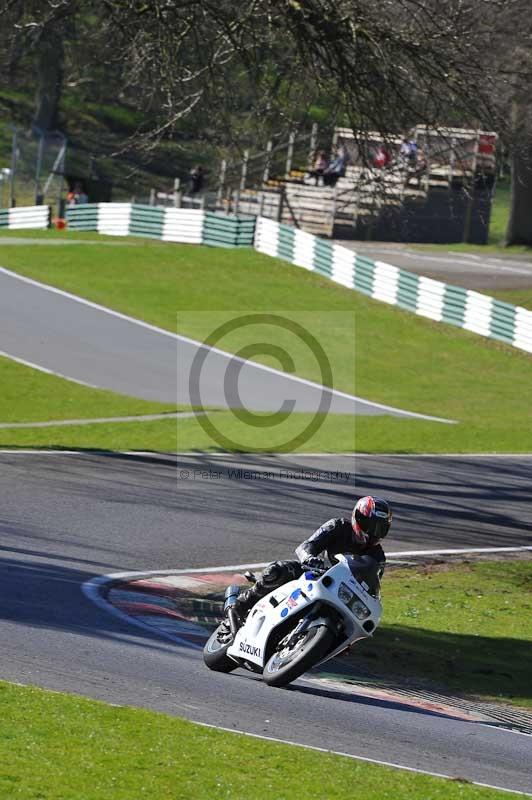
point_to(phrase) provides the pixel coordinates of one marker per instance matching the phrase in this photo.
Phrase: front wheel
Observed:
(215, 653)
(292, 658)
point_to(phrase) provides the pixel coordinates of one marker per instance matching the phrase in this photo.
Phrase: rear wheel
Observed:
(215, 652)
(295, 654)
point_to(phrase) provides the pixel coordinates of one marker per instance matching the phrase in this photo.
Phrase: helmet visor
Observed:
(379, 527)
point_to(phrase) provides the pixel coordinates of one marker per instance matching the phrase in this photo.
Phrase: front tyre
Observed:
(292, 658)
(215, 653)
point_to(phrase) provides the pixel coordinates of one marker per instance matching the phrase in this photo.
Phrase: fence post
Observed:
(313, 144)
(12, 198)
(267, 165)
(281, 204)
(243, 174)
(177, 193)
(62, 167)
(333, 209)
(152, 197)
(38, 194)
(261, 204)
(290, 154)
(221, 182)
(237, 201)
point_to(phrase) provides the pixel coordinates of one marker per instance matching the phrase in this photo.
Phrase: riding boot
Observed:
(274, 575)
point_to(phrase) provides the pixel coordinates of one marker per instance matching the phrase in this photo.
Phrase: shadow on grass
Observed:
(480, 665)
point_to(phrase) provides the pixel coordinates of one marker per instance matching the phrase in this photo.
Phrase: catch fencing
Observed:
(36, 217)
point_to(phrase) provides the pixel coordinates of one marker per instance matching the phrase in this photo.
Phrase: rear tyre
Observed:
(215, 653)
(294, 658)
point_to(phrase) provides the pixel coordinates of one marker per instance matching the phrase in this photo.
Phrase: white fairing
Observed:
(250, 643)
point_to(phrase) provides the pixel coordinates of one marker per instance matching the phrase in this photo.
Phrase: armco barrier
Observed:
(36, 217)
(438, 301)
(188, 226)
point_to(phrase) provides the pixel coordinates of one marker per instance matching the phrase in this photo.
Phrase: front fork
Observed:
(315, 619)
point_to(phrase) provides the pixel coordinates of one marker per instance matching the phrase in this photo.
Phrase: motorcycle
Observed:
(301, 624)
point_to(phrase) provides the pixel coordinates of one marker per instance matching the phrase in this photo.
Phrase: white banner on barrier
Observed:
(478, 313)
(113, 218)
(385, 283)
(36, 217)
(343, 266)
(304, 249)
(183, 225)
(266, 236)
(430, 298)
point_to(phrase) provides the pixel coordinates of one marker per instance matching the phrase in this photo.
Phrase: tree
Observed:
(35, 30)
(260, 65)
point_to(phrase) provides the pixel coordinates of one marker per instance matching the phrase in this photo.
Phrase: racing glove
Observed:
(313, 562)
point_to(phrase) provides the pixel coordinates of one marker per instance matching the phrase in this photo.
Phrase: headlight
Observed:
(345, 594)
(359, 609)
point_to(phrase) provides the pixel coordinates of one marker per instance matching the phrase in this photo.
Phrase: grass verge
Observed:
(467, 628)
(29, 395)
(421, 366)
(339, 434)
(86, 749)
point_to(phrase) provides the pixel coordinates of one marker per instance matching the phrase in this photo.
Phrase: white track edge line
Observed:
(111, 577)
(229, 453)
(40, 368)
(91, 589)
(356, 757)
(255, 364)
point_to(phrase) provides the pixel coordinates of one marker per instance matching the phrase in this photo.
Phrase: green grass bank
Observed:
(377, 352)
(465, 628)
(86, 749)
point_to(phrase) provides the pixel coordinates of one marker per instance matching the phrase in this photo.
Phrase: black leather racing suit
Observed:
(334, 536)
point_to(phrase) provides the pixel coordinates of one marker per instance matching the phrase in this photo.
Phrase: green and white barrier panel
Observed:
(37, 217)
(187, 226)
(438, 301)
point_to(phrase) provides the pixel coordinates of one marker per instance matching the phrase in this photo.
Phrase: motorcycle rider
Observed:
(361, 536)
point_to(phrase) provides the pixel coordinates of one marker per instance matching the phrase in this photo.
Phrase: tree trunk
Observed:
(49, 69)
(519, 230)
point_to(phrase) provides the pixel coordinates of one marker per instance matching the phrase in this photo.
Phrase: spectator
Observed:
(336, 168)
(404, 150)
(196, 178)
(421, 165)
(77, 195)
(321, 163)
(408, 152)
(381, 157)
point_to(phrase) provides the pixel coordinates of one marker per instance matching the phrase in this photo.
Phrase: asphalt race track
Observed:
(68, 517)
(91, 344)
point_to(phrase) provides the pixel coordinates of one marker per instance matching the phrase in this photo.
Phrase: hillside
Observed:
(98, 135)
